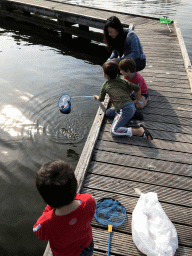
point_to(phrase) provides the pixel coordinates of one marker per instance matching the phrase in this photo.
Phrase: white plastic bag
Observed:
(152, 231)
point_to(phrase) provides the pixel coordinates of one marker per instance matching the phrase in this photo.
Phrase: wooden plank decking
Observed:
(116, 167)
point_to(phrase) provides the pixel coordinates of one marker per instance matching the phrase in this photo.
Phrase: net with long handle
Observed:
(111, 213)
(64, 102)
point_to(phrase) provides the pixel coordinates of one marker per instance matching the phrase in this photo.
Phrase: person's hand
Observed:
(96, 97)
(115, 60)
(137, 102)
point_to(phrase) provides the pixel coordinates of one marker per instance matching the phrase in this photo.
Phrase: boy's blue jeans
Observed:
(87, 251)
(121, 119)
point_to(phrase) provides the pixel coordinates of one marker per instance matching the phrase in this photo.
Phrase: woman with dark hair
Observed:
(123, 42)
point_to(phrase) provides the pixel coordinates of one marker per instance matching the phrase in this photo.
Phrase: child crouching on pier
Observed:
(66, 219)
(124, 108)
(127, 68)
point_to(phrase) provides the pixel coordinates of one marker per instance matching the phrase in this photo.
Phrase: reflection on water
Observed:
(72, 153)
(12, 120)
(37, 69)
(155, 8)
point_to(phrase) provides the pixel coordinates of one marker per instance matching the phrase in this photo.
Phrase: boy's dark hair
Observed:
(110, 68)
(127, 64)
(56, 183)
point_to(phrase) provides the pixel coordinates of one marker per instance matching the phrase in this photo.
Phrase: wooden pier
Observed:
(116, 167)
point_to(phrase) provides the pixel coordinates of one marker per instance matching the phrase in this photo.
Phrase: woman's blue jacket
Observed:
(132, 47)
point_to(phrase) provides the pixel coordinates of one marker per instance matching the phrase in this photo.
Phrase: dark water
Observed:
(36, 69)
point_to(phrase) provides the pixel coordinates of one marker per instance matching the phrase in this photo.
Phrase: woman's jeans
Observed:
(121, 119)
(140, 64)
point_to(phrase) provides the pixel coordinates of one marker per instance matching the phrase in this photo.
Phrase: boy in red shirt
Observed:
(65, 222)
(127, 68)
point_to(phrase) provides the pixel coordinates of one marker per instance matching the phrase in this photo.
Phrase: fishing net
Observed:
(110, 212)
(64, 104)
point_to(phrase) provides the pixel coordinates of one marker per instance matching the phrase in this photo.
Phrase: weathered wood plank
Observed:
(168, 73)
(185, 55)
(168, 94)
(86, 154)
(166, 119)
(182, 129)
(163, 54)
(181, 251)
(159, 99)
(125, 187)
(166, 76)
(142, 163)
(150, 65)
(152, 153)
(170, 180)
(165, 106)
(168, 85)
(157, 45)
(184, 232)
(167, 79)
(177, 113)
(167, 64)
(122, 244)
(174, 132)
(163, 77)
(155, 144)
